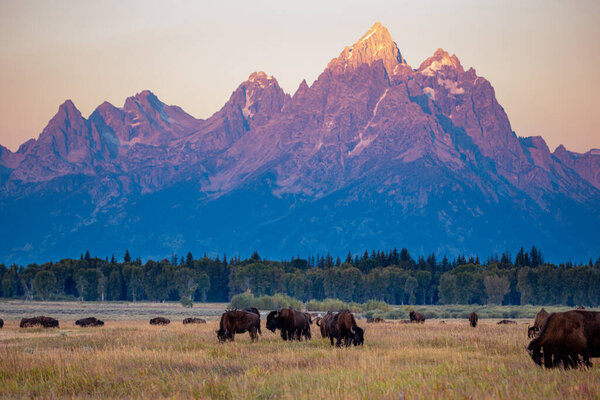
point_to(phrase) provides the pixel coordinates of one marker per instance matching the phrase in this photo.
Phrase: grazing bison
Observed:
(342, 326)
(293, 324)
(306, 331)
(538, 322)
(505, 322)
(90, 321)
(46, 322)
(322, 324)
(193, 321)
(416, 317)
(473, 317)
(1, 323)
(160, 321)
(564, 337)
(238, 321)
(374, 320)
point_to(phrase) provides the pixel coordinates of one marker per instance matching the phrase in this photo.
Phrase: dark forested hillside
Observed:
(391, 276)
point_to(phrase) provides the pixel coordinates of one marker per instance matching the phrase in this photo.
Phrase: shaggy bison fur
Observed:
(342, 326)
(292, 324)
(238, 321)
(46, 322)
(322, 324)
(538, 322)
(564, 337)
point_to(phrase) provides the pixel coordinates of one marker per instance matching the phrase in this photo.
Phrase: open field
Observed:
(129, 358)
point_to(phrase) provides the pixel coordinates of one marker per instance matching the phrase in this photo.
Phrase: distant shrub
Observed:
(397, 313)
(265, 302)
(376, 305)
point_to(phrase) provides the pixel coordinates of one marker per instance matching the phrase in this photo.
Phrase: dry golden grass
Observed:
(135, 360)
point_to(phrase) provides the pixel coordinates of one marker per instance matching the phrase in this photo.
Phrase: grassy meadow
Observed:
(129, 358)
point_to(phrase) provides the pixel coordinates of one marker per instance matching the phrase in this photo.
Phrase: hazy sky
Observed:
(542, 57)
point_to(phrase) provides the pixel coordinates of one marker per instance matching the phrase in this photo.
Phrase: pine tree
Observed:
(127, 257)
(349, 258)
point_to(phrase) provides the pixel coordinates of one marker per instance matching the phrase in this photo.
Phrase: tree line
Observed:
(391, 276)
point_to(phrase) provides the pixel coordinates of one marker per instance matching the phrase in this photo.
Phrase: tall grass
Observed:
(135, 360)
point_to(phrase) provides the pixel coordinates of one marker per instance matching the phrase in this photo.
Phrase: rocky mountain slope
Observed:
(373, 154)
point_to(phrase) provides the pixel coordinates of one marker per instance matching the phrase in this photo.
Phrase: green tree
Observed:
(114, 285)
(496, 287)
(423, 279)
(134, 279)
(102, 282)
(186, 283)
(203, 281)
(44, 284)
(409, 287)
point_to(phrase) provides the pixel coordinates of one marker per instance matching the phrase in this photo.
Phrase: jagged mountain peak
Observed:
(66, 110)
(440, 59)
(143, 99)
(376, 44)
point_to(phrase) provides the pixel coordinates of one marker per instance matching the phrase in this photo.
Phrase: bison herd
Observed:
(563, 339)
(340, 327)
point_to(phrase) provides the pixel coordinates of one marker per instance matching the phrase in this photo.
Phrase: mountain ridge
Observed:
(371, 136)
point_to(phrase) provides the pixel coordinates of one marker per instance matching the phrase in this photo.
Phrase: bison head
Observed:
(272, 321)
(358, 336)
(535, 353)
(222, 335)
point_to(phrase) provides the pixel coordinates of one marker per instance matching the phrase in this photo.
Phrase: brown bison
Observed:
(416, 317)
(538, 322)
(193, 321)
(292, 324)
(564, 337)
(473, 317)
(90, 321)
(505, 322)
(374, 320)
(342, 326)
(306, 331)
(238, 321)
(46, 322)
(322, 324)
(253, 310)
(160, 321)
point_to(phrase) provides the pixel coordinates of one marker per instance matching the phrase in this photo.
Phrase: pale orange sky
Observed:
(542, 57)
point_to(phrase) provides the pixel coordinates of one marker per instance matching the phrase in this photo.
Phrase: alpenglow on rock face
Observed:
(373, 154)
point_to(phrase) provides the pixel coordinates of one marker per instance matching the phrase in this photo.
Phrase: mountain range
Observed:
(374, 154)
